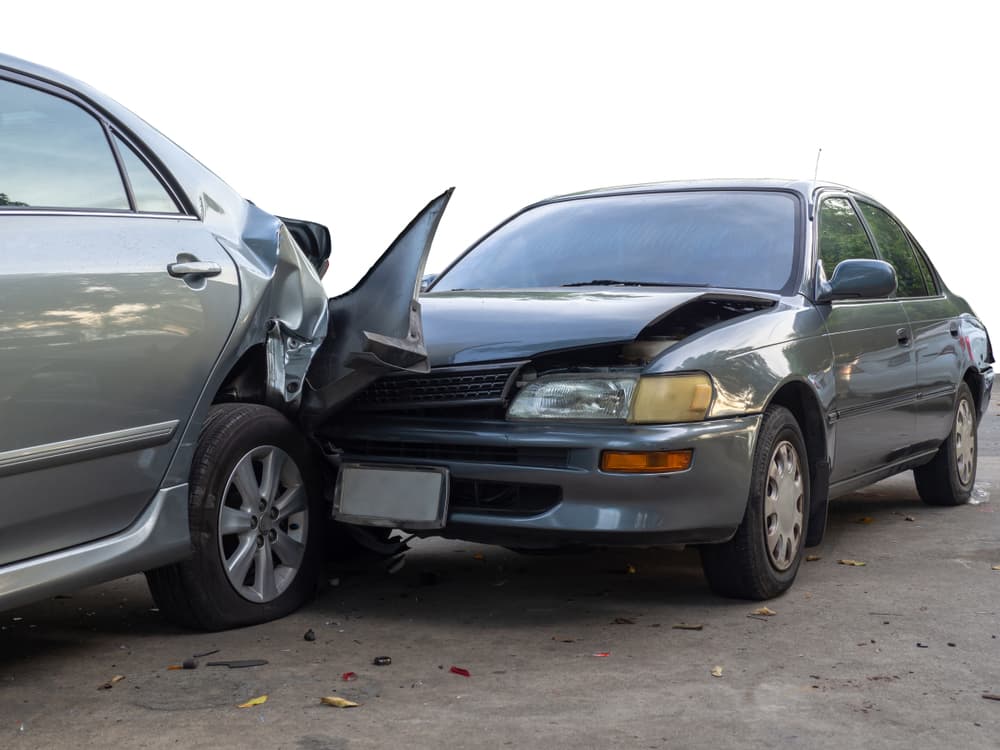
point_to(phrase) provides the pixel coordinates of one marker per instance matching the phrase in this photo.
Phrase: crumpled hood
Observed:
(481, 326)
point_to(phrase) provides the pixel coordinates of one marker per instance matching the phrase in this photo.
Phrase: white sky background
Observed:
(356, 114)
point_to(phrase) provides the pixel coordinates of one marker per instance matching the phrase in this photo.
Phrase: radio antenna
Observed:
(819, 153)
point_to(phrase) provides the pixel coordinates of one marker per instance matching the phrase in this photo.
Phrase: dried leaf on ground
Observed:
(687, 626)
(112, 682)
(254, 702)
(813, 558)
(764, 611)
(716, 671)
(865, 519)
(853, 563)
(337, 702)
(995, 567)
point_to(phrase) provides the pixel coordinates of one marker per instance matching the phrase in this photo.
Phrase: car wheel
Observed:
(950, 475)
(763, 557)
(256, 517)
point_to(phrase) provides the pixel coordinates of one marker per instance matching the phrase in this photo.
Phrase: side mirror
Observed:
(858, 279)
(426, 281)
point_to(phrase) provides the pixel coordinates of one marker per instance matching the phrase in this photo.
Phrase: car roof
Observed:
(806, 188)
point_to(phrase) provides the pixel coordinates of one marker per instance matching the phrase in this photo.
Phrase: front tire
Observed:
(763, 557)
(949, 477)
(256, 518)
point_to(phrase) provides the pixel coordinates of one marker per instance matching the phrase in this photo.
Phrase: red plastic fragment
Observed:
(603, 653)
(460, 671)
(348, 676)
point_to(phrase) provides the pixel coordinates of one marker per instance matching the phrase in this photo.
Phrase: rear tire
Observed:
(762, 559)
(949, 477)
(256, 519)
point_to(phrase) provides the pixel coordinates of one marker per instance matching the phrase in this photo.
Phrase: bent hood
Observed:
(482, 326)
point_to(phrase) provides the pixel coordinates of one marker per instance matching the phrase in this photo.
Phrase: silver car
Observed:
(164, 347)
(700, 363)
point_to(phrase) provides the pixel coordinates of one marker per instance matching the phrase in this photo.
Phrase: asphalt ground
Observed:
(563, 651)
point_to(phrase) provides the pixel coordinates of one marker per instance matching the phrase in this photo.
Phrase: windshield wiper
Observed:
(619, 282)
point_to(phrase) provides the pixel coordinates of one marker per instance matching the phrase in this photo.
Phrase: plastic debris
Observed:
(602, 654)
(337, 702)
(813, 558)
(687, 626)
(909, 518)
(716, 671)
(623, 621)
(460, 671)
(865, 519)
(922, 645)
(187, 664)
(205, 653)
(991, 696)
(112, 682)
(309, 635)
(254, 702)
(382, 661)
(995, 567)
(348, 676)
(764, 612)
(564, 640)
(238, 663)
(852, 563)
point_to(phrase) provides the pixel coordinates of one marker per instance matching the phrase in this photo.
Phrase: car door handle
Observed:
(903, 336)
(200, 268)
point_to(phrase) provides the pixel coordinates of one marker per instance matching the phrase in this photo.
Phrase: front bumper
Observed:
(557, 466)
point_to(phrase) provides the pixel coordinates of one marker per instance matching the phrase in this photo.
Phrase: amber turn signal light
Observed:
(646, 462)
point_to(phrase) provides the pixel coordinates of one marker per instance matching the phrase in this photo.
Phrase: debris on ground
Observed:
(238, 663)
(382, 661)
(186, 664)
(348, 676)
(309, 635)
(601, 654)
(716, 671)
(205, 653)
(254, 702)
(852, 563)
(909, 518)
(461, 671)
(564, 640)
(995, 567)
(338, 702)
(479, 556)
(112, 682)
(686, 626)
(623, 621)
(631, 570)
(951, 645)
(334, 581)
(764, 612)
(922, 645)
(991, 696)
(813, 558)
(865, 519)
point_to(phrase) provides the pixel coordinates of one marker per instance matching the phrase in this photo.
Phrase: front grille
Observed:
(502, 498)
(451, 386)
(519, 455)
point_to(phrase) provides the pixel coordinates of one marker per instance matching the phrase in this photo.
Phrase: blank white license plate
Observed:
(414, 497)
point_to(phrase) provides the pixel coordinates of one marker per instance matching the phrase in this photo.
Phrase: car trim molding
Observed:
(37, 457)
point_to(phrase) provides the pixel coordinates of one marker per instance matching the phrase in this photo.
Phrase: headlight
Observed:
(653, 399)
(575, 397)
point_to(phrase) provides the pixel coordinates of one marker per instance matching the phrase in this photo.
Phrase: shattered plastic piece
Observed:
(238, 663)
(309, 635)
(991, 696)
(865, 519)
(686, 626)
(205, 653)
(764, 612)
(716, 671)
(623, 621)
(602, 654)
(909, 518)
(631, 570)
(112, 682)
(852, 563)
(254, 702)
(922, 645)
(382, 661)
(189, 664)
(460, 671)
(813, 558)
(338, 702)
(348, 676)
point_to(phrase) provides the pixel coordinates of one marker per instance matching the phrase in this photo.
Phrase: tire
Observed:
(949, 477)
(763, 557)
(277, 532)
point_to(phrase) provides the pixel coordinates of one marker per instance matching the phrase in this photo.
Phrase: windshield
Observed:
(739, 239)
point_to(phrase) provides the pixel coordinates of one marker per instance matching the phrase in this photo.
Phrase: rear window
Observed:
(740, 239)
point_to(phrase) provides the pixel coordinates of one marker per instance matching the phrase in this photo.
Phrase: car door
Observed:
(874, 369)
(934, 324)
(103, 352)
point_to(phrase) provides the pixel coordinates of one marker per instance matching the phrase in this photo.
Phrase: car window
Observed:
(841, 235)
(147, 190)
(721, 238)
(895, 248)
(53, 154)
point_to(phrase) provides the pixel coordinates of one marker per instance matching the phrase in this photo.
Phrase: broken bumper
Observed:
(541, 484)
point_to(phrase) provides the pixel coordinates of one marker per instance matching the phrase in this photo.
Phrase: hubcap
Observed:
(263, 524)
(965, 442)
(783, 496)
